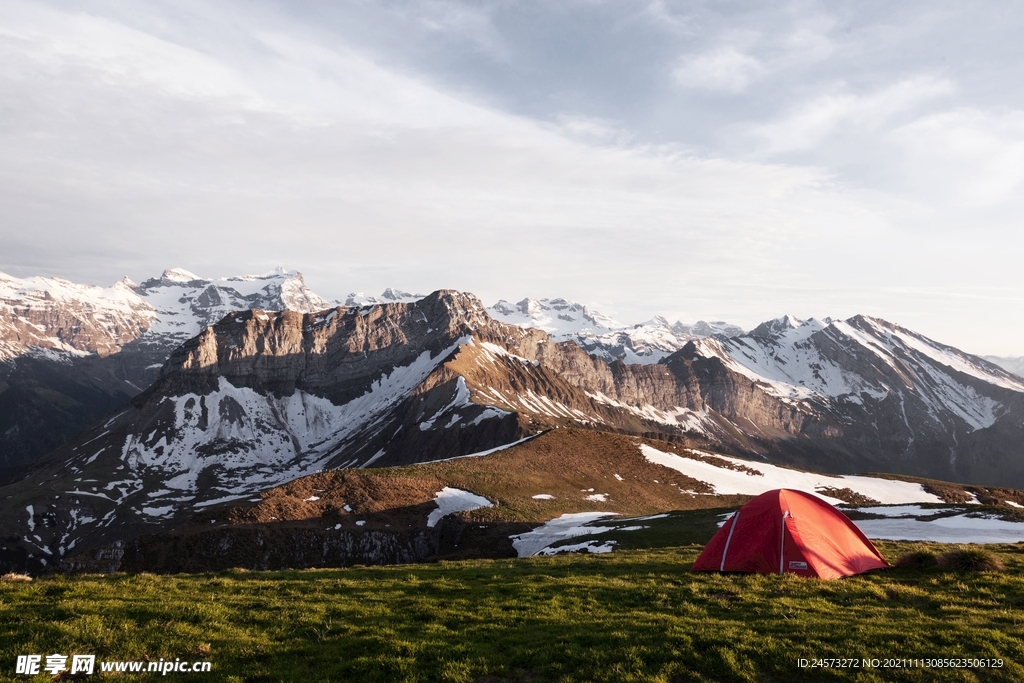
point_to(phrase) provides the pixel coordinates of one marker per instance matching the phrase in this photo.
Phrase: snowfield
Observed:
(964, 528)
(726, 481)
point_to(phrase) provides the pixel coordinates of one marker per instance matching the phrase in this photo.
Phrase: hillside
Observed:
(478, 506)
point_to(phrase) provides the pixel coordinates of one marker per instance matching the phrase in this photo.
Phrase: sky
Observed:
(700, 160)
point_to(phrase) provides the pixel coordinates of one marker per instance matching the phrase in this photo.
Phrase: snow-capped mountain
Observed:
(263, 397)
(71, 353)
(42, 313)
(183, 304)
(816, 360)
(603, 336)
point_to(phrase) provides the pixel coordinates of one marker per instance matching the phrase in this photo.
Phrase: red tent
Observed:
(786, 531)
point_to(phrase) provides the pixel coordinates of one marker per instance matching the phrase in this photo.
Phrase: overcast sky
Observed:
(718, 160)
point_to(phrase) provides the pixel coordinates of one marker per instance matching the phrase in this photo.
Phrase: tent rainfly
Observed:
(790, 532)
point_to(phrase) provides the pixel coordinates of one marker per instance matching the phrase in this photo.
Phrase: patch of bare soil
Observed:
(991, 495)
(341, 497)
(949, 493)
(716, 461)
(847, 495)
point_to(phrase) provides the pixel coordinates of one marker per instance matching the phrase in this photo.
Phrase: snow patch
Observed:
(566, 526)
(451, 500)
(904, 510)
(589, 546)
(490, 450)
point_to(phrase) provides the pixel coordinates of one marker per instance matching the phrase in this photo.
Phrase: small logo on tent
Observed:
(794, 564)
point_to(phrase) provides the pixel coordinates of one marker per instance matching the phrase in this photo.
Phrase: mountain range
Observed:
(71, 353)
(218, 391)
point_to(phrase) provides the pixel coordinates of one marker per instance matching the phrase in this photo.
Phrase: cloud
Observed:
(317, 155)
(809, 123)
(593, 129)
(724, 68)
(41, 43)
(967, 157)
(471, 22)
(234, 137)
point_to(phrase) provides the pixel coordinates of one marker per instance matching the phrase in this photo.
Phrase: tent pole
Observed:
(728, 539)
(782, 543)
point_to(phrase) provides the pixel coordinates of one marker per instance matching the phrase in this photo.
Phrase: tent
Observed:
(793, 532)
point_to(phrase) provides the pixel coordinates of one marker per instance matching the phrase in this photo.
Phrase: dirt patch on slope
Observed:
(342, 496)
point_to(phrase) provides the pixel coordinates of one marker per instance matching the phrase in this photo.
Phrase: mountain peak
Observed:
(388, 296)
(178, 275)
(779, 326)
(656, 321)
(556, 316)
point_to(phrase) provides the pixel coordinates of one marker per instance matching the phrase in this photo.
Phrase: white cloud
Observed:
(470, 22)
(593, 129)
(968, 157)
(352, 169)
(37, 42)
(237, 141)
(810, 122)
(807, 42)
(724, 68)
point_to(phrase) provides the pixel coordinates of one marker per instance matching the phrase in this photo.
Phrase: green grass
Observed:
(636, 615)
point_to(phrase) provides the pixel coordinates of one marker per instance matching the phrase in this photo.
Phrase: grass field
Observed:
(633, 615)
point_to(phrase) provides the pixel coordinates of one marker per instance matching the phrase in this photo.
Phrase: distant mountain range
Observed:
(1014, 364)
(604, 337)
(70, 353)
(214, 391)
